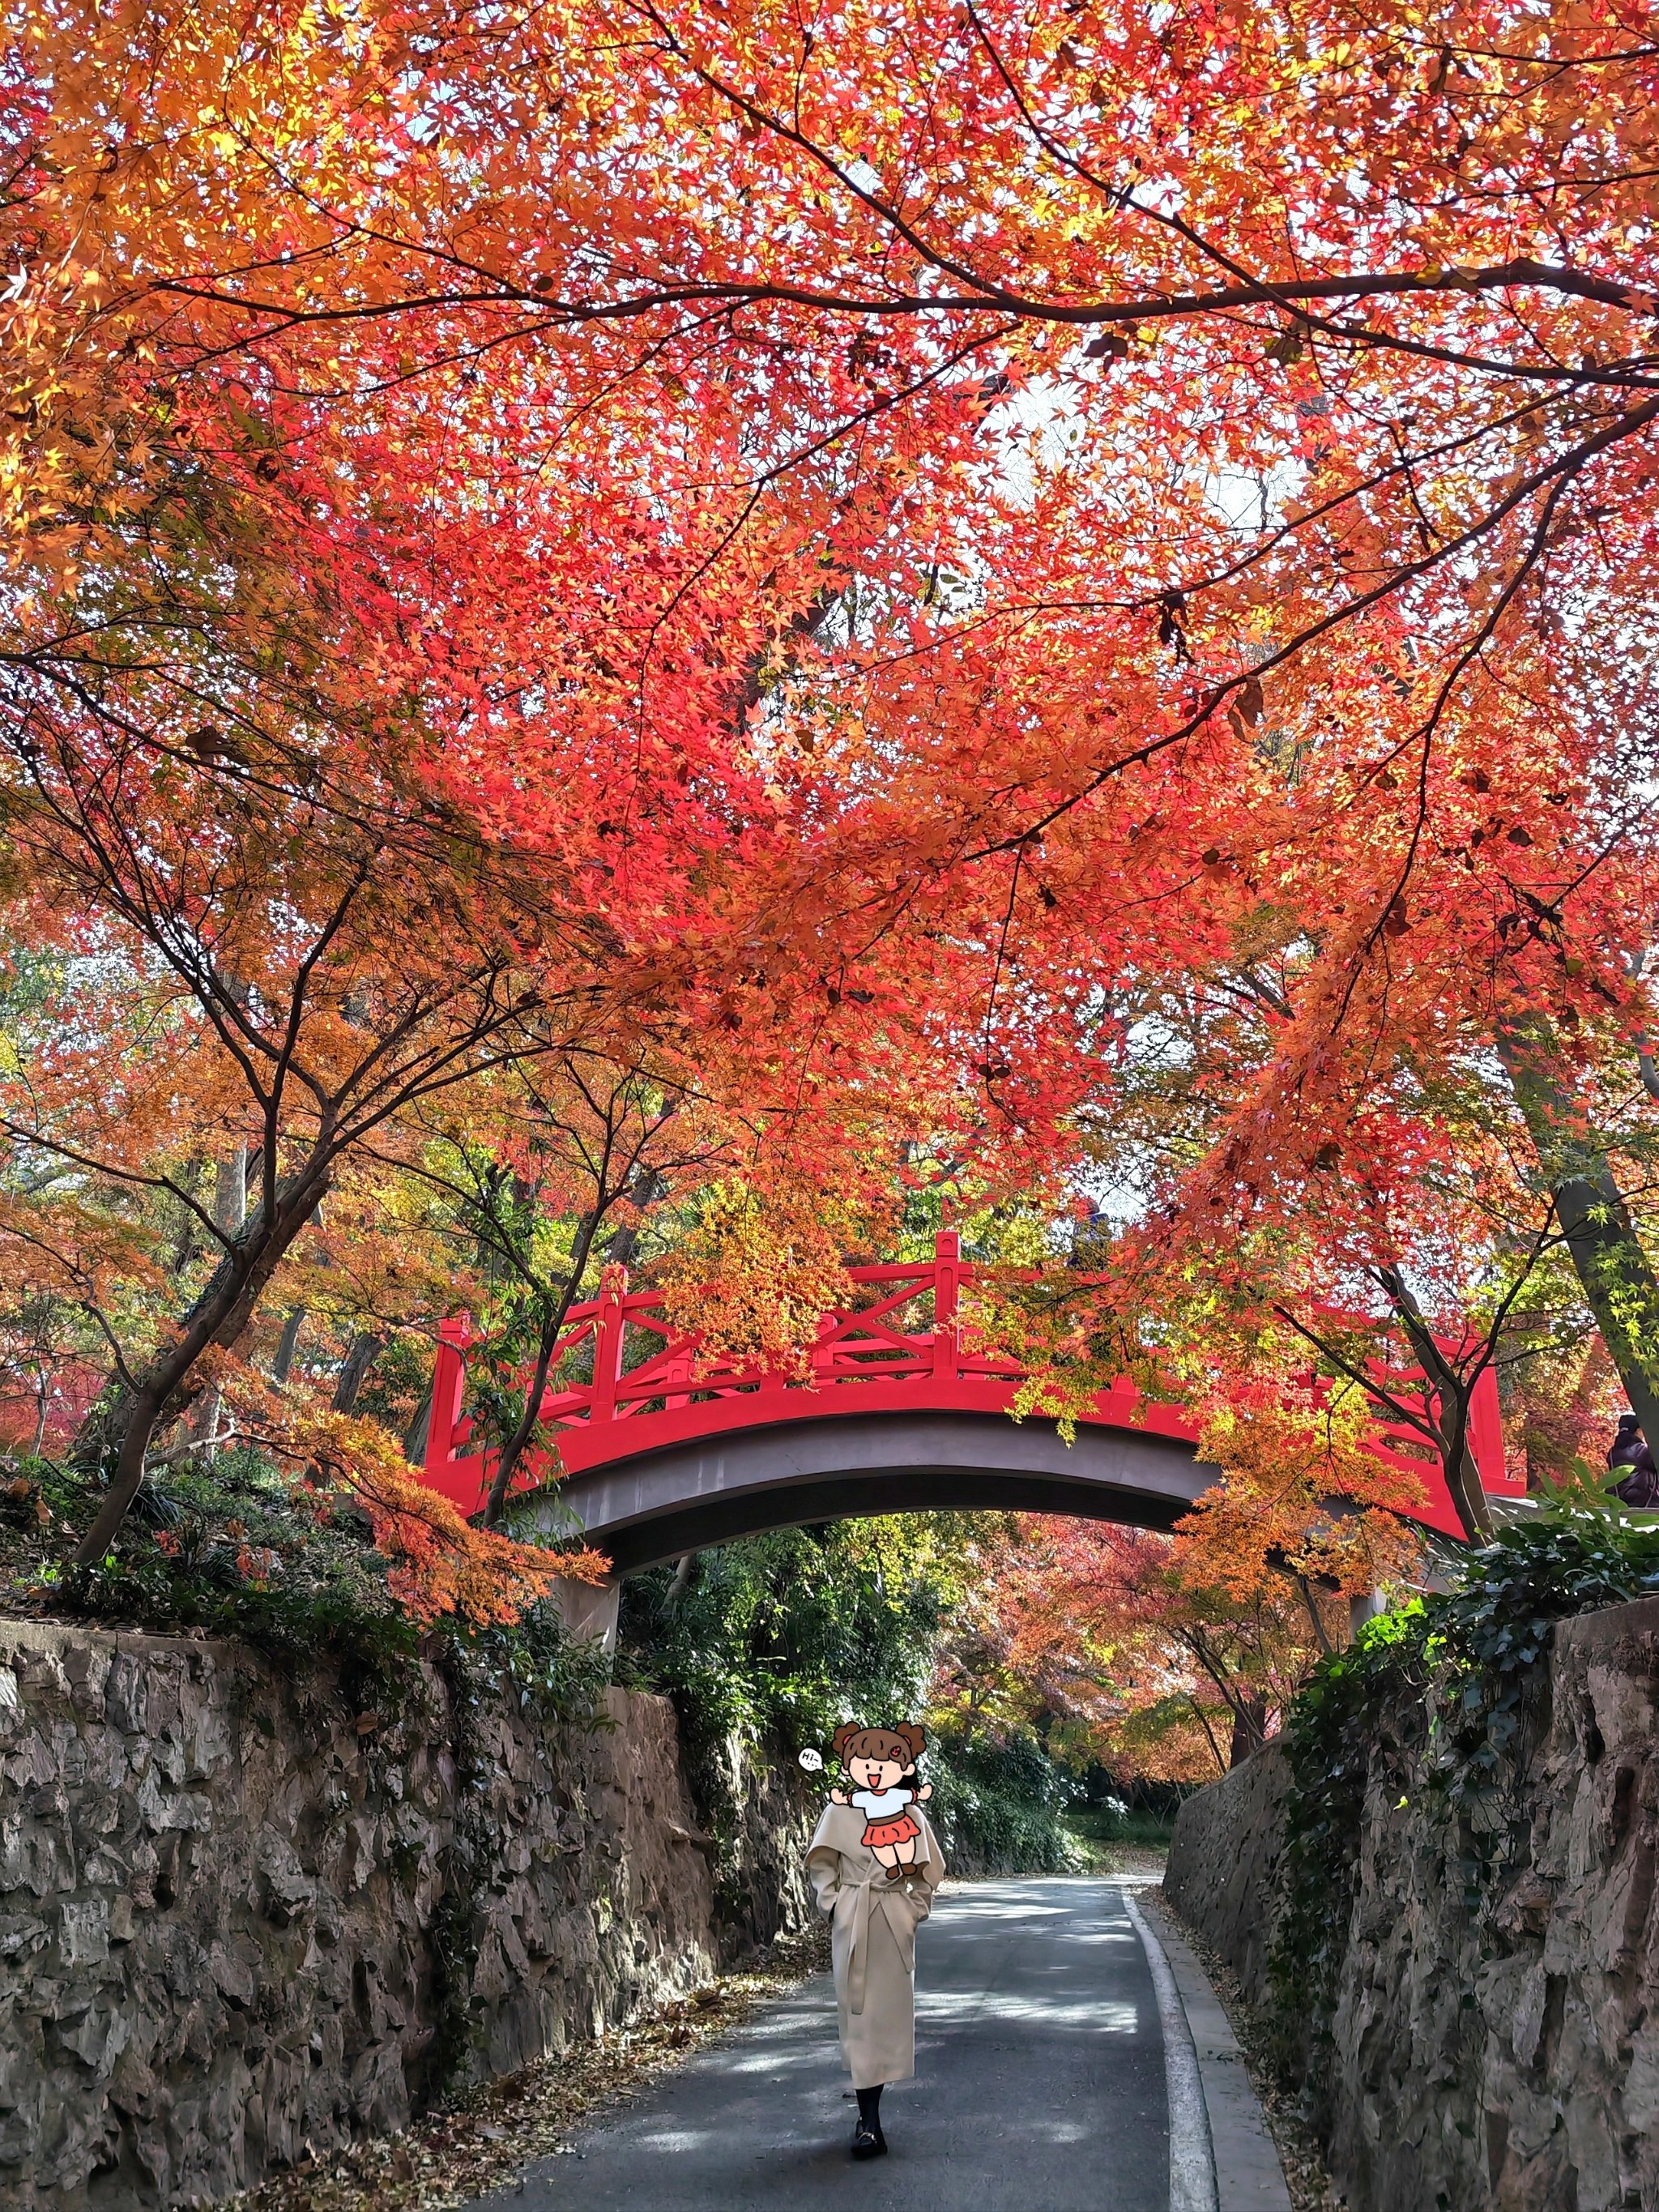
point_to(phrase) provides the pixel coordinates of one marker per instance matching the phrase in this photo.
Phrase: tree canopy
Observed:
(679, 624)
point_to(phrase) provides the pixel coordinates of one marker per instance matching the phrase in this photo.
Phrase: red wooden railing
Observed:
(901, 1351)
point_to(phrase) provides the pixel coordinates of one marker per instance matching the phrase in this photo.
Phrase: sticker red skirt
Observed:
(879, 1833)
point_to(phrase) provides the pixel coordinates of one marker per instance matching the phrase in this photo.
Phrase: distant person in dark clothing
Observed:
(1630, 1449)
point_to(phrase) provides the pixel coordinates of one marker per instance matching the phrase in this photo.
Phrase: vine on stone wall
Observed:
(1444, 1688)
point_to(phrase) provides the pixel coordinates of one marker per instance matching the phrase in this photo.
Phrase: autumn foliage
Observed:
(1168, 1657)
(438, 1563)
(1051, 601)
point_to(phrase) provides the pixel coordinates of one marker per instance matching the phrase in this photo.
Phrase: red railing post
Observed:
(1486, 1435)
(447, 1392)
(947, 1276)
(608, 1333)
(448, 1386)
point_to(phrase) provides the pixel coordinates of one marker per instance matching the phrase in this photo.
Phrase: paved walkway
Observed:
(1040, 2086)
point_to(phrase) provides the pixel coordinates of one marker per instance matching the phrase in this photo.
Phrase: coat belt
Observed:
(876, 1890)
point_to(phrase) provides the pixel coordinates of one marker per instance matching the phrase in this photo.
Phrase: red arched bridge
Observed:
(662, 1452)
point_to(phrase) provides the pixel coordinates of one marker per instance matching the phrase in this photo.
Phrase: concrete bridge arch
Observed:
(684, 1496)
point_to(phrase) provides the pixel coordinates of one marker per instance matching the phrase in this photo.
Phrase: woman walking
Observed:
(874, 1863)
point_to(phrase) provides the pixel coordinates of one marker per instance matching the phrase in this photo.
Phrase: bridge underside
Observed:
(684, 1498)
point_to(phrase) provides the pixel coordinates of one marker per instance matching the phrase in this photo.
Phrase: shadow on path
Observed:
(1040, 2086)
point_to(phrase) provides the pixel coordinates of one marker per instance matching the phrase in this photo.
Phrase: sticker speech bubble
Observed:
(811, 1760)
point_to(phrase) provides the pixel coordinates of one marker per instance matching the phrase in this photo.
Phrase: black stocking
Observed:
(870, 2108)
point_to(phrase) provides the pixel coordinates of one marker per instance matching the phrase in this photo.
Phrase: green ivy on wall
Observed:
(1442, 1688)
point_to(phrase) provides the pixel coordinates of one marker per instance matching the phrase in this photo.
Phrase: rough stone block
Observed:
(1506, 2060)
(217, 1906)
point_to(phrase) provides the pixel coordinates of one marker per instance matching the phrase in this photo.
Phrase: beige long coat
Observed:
(873, 1940)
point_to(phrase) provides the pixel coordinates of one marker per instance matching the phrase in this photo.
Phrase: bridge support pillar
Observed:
(588, 1609)
(1363, 1608)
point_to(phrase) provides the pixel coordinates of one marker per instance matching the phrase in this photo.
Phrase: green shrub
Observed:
(774, 1640)
(997, 1802)
(236, 1547)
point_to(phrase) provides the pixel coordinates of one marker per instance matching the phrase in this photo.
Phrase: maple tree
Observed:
(1173, 1656)
(1391, 1230)
(881, 575)
(298, 1009)
(548, 1192)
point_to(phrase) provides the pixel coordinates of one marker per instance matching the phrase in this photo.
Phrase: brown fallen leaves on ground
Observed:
(1136, 1863)
(486, 2136)
(1309, 2185)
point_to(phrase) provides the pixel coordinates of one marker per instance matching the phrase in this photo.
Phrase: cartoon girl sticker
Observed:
(881, 1764)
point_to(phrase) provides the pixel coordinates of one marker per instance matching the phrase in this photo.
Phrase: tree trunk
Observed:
(230, 1193)
(419, 1429)
(1468, 1492)
(1618, 1279)
(230, 1217)
(281, 1366)
(142, 1411)
(365, 1349)
(1452, 1394)
(120, 1429)
(684, 1568)
(1249, 1730)
(513, 1449)
(553, 1320)
(647, 1189)
(1209, 1733)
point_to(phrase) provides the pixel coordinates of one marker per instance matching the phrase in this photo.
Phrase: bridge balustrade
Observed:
(649, 1385)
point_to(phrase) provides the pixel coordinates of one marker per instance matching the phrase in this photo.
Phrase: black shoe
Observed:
(868, 2143)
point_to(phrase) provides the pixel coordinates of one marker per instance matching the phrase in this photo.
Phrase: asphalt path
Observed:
(1040, 2086)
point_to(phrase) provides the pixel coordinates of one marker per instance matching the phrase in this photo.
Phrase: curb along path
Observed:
(1230, 2163)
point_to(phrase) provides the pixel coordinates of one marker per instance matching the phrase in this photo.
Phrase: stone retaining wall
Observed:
(1508, 2059)
(240, 1918)
(1223, 1863)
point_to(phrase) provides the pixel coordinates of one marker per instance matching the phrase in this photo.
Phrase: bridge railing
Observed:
(642, 1383)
